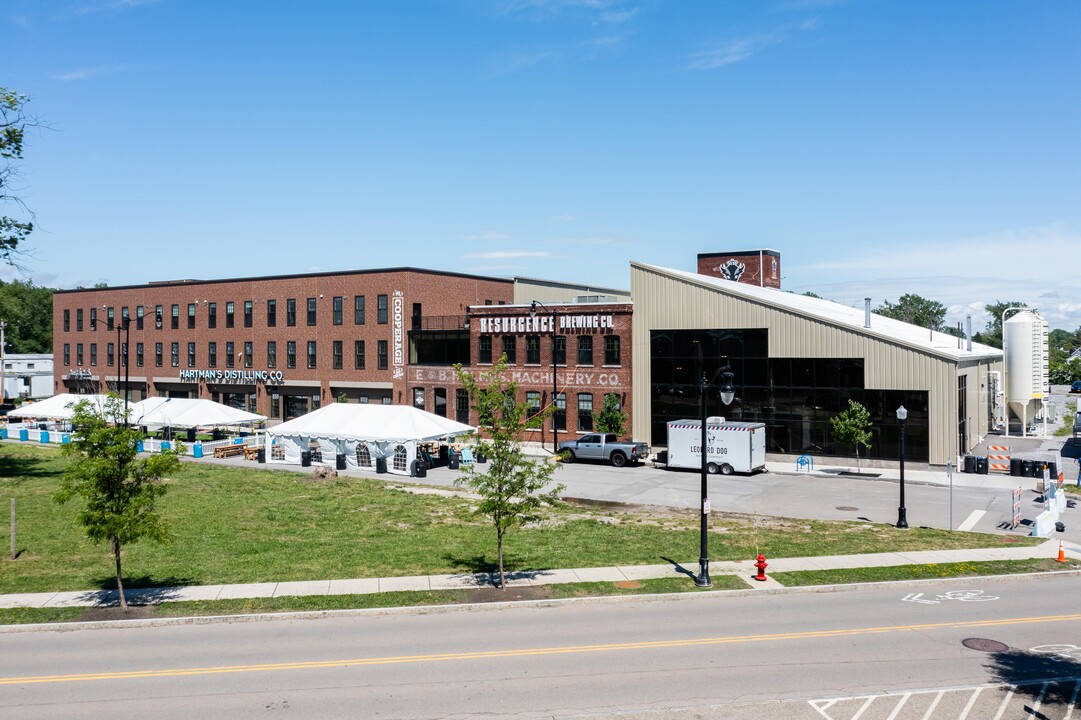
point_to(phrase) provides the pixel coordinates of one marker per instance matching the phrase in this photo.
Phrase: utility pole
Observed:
(3, 365)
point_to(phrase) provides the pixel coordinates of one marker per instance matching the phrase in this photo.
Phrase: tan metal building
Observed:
(797, 360)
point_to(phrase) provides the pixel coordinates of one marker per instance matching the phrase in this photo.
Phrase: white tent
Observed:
(183, 413)
(58, 407)
(362, 433)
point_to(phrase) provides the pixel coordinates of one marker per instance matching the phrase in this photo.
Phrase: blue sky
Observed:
(882, 147)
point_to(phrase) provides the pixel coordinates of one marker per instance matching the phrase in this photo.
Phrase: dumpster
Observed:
(339, 461)
(305, 458)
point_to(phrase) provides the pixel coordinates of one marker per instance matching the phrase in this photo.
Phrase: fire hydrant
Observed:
(761, 565)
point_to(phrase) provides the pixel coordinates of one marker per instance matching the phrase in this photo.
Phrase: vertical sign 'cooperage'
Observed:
(398, 302)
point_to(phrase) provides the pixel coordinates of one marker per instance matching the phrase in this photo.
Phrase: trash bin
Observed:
(139, 446)
(44, 436)
(3, 433)
(1052, 471)
(970, 464)
(453, 460)
(191, 434)
(197, 450)
(260, 455)
(305, 458)
(981, 466)
(1015, 467)
(1037, 469)
(24, 434)
(480, 458)
(166, 445)
(217, 434)
(420, 468)
(1026, 468)
(380, 465)
(444, 455)
(339, 461)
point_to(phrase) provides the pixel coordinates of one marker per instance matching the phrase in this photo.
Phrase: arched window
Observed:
(364, 458)
(401, 459)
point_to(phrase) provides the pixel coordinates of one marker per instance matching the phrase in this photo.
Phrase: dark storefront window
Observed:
(440, 396)
(532, 350)
(611, 350)
(461, 406)
(271, 313)
(510, 349)
(438, 347)
(585, 412)
(585, 350)
(275, 405)
(484, 349)
(381, 355)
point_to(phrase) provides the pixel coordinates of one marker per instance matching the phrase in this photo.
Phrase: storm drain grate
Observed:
(985, 645)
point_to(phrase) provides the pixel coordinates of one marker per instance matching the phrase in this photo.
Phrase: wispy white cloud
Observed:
(617, 17)
(90, 7)
(507, 254)
(488, 235)
(562, 219)
(738, 49)
(89, 72)
(588, 241)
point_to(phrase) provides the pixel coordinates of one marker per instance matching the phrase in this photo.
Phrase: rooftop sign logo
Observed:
(731, 270)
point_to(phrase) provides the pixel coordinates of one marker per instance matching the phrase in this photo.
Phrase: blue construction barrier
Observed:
(44, 436)
(24, 434)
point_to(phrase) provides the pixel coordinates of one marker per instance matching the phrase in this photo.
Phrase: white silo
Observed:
(1024, 345)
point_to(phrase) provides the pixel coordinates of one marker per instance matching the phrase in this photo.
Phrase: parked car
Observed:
(1076, 387)
(606, 447)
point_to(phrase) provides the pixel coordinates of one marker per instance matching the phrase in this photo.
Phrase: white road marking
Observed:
(865, 706)
(1073, 699)
(971, 520)
(1006, 701)
(971, 702)
(897, 710)
(934, 703)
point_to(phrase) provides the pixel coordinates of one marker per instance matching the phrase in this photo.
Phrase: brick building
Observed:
(281, 346)
(751, 267)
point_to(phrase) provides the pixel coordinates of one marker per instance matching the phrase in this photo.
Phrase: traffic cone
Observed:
(1061, 553)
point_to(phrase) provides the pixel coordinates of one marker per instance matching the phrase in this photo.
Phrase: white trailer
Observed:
(731, 446)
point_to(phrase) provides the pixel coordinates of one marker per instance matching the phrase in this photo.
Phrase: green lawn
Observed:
(921, 572)
(235, 525)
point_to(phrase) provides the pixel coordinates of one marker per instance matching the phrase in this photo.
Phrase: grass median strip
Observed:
(846, 576)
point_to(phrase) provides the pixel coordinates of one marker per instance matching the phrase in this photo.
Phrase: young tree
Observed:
(992, 334)
(512, 488)
(851, 426)
(611, 419)
(120, 490)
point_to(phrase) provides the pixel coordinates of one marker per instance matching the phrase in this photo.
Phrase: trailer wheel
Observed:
(712, 468)
(726, 469)
(618, 459)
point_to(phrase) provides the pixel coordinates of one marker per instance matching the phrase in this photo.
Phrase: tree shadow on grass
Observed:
(143, 582)
(19, 469)
(474, 564)
(1048, 670)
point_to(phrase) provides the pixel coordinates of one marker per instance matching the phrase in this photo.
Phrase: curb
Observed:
(506, 605)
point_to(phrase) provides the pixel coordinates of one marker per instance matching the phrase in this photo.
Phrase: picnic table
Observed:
(226, 451)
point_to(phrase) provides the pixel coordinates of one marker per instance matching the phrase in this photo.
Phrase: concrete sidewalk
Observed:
(744, 569)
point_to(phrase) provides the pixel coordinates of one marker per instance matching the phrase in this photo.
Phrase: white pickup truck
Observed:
(606, 447)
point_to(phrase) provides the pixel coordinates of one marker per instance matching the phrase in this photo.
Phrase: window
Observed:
(109, 354)
(337, 310)
(191, 316)
(484, 349)
(585, 412)
(311, 354)
(291, 312)
(139, 354)
(315, 402)
(230, 354)
(67, 354)
(93, 353)
(271, 313)
(247, 313)
(157, 355)
(532, 349)
(381, 310)
(212, 315)
(559, 349)
(174, 322)
(336, 351)
(559, 417)
(79, 354)
(158, 317)
(191, 354)
(110, 316)
(138, 317)
(418, 317)
(67, 321)
(358, 310)
(212, 354)
(271, 354)
(79, 320)
(93, 318)
(585, 349)
(275, 406)
(418, 398)
(311, 311)
(230, 314)
(510, 349)
(381, 355)
(248, 354)
(532, 403)
(291, 354)
(611, 350)
(461, 406)
(125, 316)
(358, 354)
(174, 354)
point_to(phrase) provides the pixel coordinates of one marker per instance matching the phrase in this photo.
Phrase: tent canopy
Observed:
(59, 407)
(182, 413)
(379, 423)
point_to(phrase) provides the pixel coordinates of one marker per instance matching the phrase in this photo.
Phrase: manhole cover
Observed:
(985, 645)
(847, 508)
(629, 584)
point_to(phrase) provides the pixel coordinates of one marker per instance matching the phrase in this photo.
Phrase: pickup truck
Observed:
(606, 447)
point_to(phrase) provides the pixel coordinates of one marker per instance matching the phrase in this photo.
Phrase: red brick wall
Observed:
(764, 269)
(440, 294)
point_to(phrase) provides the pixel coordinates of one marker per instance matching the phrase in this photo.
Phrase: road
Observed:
(891, 650)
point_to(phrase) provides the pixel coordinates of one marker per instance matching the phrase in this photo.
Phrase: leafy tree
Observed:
(14, 122)
(1064, 373)
(852, 426)
(27, 311)
(512, 488)
(915, 310)
(120, 490)
(992, 334)
(812, 295)
(611, 418)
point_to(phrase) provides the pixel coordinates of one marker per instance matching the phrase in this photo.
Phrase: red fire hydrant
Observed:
(761, 565)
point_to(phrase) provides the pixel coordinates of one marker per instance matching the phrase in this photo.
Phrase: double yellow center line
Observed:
(527, 652)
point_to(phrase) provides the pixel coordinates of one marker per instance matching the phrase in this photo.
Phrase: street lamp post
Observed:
(727, 395)
(555, 426)
(902, 518)
(125, 325)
